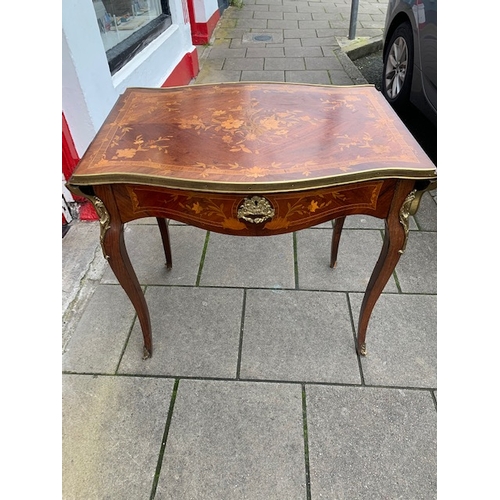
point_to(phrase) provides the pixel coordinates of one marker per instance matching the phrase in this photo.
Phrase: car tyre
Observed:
(398, 66)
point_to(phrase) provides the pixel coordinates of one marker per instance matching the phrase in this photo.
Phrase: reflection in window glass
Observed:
(119, 19)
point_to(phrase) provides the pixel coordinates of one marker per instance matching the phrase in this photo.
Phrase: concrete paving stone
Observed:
(243, 64)
(286, 7)
(296, 33)
(314, 24)
(363, 222)
(310, 7)
(417, 267)
(330, 63)
(146, 253)
(368, 222)
(265, 52)
(426, 215)
(303, 52)
(266, 14)
(231, 13)
(368, 443)
(209, 65)
(298, 16)
(288, 24)
(196, 333)
(340, 78)
(252, 23)
(227, 23)
(263, 76)
(80, 247)
(357, 256)
(287, 63)
(330, 41)
(298, 336)
(223, 53)
(99, 338)
(228, 33)
(289, 42)
(320, 77)
(234, 440)
(369, 32)
(344, 11)
(218, 76)
(401, 340)
(257, 262)
(112, 429)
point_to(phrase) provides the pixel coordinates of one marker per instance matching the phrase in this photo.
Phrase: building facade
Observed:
(109, 45)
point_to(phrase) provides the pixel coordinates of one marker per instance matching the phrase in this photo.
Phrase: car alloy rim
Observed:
(397, 64)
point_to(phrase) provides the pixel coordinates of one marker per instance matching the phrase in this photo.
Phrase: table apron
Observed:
(290, 211)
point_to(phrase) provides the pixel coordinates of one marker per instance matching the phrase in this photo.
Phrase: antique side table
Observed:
(253, 159)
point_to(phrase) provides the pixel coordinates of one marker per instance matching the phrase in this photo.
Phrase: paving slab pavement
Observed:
(254, 390)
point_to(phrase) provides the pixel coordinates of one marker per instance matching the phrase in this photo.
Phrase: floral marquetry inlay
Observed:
(269, 134)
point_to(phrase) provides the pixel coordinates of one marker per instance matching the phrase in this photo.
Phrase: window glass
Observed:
(128, 25)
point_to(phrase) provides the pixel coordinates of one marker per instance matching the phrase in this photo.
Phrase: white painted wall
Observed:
(204, 10)
(88, 89)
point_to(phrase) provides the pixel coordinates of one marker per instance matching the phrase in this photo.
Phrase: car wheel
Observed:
(398, 66)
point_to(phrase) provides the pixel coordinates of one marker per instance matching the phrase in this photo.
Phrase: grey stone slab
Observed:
(316, 76)
(265, 52)
(100, 336)
(252, 23)
(289, 24)
(401, 340)
(218, 76)
(284, 7)
(266, 14)
(237, 63)
(298, 16)
(234, 440)
(282, 63)
(146, 253)
(417, 267)
(370, 443)
(112, 429)
(315, 25)
(323, 63)
(426, 215)
(196, 333)
(260, 262)
(330, 41)
(357, 256)
(298, 336)
(263, 76)
(363, 222)
(341, 78)
(310, 7)
(296, 33)
(80, 247)
(303, 52)
(222, 53)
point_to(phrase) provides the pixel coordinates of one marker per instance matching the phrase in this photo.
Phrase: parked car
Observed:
(410, 55)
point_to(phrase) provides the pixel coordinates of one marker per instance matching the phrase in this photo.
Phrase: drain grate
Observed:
(266, 37)
(262, 38)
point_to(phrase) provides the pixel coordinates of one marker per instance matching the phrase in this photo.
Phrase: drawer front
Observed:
(254, 214)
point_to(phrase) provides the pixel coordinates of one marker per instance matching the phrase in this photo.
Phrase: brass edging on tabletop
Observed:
(247, 83)
(248, 186)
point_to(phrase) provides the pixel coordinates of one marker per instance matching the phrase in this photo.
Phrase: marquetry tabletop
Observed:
(262, 137)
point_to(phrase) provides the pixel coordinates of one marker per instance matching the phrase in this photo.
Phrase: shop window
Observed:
(127, 26)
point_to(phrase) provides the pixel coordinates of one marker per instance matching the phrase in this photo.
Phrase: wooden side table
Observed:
(253, 159)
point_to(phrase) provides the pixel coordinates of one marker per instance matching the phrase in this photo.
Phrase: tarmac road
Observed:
(424, 131)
